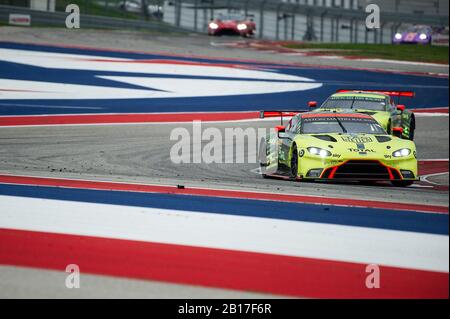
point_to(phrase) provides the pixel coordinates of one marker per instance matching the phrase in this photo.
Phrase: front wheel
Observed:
(263, 158)
(294, 162)
(402, 183)
(412, 129)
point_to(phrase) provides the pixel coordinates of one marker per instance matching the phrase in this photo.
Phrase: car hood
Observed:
(376, 146)
(228, 23)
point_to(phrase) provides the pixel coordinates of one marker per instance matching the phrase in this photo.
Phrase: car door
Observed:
(286, 141)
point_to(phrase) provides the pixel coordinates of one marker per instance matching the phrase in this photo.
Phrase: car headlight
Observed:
(423, 36)
(213, 25)
(242, 27)
(319, 151)
(398, 36)
(402, 152)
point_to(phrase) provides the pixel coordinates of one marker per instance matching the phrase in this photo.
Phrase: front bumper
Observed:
(361, 170)
(366, 170)
(415, 41)
(227, 31)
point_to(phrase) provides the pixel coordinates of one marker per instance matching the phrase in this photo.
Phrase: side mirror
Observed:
(401, 108)
(397, 131)
(280, 129)
(312, 104)
(281, 132)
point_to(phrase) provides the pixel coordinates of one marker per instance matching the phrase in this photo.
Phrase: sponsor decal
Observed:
(358, 98)
(357, 139)
(20, 19)
(356, 150)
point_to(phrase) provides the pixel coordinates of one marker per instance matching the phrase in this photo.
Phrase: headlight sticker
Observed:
(404, 152)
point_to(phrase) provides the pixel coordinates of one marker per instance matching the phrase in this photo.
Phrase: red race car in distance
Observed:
(232, 24)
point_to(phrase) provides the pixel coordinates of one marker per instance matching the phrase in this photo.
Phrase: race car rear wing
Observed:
(280, 114)
(397, 94)
(390, 93)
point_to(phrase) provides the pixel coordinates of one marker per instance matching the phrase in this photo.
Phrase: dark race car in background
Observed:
(418, 34)
(232, 24)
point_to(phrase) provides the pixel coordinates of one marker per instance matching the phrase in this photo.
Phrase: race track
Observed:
(141, 153)
(86, 177)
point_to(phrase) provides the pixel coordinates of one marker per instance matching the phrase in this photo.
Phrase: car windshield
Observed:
(338, 124)
(417, 29)
(355, 103)
(233, 17)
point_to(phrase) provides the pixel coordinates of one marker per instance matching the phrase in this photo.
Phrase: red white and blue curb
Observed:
(143, 118)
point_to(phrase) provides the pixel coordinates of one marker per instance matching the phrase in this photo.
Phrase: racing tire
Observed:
(262, 158)
(402, 183)
(412, 129)
(294, 163)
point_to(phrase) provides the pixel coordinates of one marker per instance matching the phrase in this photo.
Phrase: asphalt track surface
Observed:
(140, 153)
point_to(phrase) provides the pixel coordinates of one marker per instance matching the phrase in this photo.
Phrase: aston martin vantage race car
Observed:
(338, 146)
(378, 104)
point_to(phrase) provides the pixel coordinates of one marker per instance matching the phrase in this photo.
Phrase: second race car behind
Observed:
(378, 104)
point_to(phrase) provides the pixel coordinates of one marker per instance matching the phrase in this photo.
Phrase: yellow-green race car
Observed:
(337, 146)
(378, 104)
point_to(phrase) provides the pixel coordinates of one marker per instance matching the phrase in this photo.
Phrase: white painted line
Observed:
(426, 177)
(431, 114)
(420, 186)
(223, 44)
(293, 54)
(434, 160)
(331, 57)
